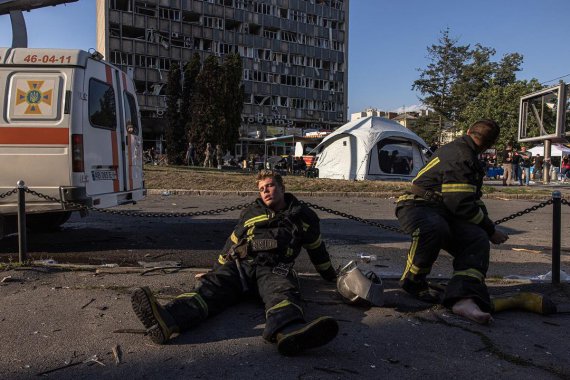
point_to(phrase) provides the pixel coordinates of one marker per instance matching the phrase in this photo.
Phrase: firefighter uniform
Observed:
(443, 210)
(268, 243)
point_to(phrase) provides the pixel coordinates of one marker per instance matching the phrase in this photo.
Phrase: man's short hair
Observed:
(486, 130)
(266, 173)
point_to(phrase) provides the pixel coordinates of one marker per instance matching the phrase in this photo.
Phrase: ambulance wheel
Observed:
(47, 222)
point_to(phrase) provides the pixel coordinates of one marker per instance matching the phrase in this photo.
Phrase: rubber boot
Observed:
(294, 338)
(159, 323)
(421, 291)
(533, 302)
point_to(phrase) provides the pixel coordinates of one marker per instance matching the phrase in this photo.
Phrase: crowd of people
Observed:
(254, 162)
(520, 167)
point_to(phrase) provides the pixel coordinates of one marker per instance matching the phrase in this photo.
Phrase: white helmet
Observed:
(358, 288)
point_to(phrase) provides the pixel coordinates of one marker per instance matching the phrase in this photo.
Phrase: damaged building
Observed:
(294, 57)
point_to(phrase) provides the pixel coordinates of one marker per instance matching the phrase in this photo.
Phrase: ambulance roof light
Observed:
(95, 54)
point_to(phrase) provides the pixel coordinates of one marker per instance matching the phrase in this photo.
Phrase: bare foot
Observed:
(467, 308)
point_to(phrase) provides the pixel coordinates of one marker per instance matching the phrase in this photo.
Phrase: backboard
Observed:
(545, 114)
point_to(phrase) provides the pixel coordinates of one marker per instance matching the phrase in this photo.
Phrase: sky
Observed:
(388, 39)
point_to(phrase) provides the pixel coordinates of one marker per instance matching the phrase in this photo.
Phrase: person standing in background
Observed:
(525, 162)
(507, 165)
(208, 153)
(219, 155)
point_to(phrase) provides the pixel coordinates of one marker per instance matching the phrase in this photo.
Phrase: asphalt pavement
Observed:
(76, 322)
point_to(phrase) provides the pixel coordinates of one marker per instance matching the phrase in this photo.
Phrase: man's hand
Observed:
(499, 237)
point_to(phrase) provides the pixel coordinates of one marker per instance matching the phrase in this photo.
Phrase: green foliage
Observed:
(233, 97)
(191, 71)
(507, 69)
(174, 134)
(211, 102)
(437, 80)
(206, 106)
(499, 103)
(217, 103)
(427, 127)
(464, 84)
(476, 76)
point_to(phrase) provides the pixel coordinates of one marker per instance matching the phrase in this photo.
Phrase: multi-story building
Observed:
(372, 112)
(294, 56)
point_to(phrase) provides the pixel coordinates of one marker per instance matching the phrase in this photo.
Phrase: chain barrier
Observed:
(356, 218)
(73, 205)
(523, 212)
(565, 202)
(7, 194)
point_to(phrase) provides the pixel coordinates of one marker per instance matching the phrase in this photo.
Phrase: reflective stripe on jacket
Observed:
(455, 172)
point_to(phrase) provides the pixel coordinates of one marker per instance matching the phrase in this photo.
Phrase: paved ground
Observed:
(52, 319)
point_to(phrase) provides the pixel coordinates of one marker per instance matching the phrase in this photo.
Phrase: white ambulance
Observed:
(70, 129)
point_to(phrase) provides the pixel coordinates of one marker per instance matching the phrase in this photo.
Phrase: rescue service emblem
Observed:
(34, 97)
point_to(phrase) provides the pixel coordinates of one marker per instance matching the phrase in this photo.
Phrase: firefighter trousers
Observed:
(433, 229)
(222, 287)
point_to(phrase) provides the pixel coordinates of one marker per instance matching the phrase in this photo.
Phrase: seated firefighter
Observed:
(443, 210)
(257, 259)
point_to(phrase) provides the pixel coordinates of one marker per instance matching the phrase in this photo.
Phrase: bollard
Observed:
(22, 239)
(556, 226)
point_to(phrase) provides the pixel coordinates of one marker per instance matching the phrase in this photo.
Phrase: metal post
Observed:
(556, 226)
(22, 239)
(547, 158)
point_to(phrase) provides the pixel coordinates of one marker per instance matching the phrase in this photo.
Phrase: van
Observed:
(70, 129)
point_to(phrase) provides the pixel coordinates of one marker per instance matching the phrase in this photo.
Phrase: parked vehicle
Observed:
(70, 129)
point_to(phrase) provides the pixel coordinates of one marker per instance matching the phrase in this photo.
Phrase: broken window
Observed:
(132, 32)
(144, 9)
(213, 22)
(263, 8)
(261, 100)
(122, 5)
(288, 36)
(169, 14)
(254, 29)
(232, 24)
(270, 34)
(191, 17)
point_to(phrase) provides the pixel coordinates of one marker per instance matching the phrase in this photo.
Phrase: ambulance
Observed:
(70, 129)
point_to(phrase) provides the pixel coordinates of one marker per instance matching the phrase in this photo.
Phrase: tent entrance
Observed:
(392, 156)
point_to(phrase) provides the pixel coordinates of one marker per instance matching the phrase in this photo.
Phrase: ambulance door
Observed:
(102, 134)
(133, 139)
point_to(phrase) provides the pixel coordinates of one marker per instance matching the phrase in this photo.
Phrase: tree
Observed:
(476, 75)
(207, 109)
(436, 81)
(427, 127)
(191, 72)
(175, 139)
(499, 103)
(232, 100)
(461, 84)
(507, 69)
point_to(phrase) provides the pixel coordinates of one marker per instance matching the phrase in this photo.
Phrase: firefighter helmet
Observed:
(356, 287)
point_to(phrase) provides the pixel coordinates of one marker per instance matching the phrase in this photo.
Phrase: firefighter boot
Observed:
(533, 302)
(159, 323)
(421, 290)
(296, 337)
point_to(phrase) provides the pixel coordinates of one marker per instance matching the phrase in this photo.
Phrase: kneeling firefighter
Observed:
(257, 260)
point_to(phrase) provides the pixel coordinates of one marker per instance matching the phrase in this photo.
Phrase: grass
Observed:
(197, 178)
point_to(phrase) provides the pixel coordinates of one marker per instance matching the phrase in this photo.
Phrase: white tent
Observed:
(371, 148)
(556, 150)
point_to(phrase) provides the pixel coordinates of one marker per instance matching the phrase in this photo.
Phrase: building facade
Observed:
(294, 56)
(372, 112)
